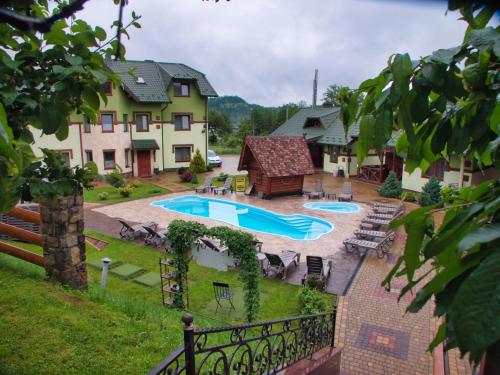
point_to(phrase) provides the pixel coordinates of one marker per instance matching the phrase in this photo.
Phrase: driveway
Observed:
(229, 165)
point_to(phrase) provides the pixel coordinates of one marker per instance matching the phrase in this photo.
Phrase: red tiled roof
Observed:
(278, 156)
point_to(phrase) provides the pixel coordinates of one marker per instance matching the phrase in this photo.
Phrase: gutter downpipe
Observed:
(162, 140)
(206, 130)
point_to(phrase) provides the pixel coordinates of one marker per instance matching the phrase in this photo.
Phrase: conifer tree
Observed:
(391, 187)
(431, 193)
(197, 164)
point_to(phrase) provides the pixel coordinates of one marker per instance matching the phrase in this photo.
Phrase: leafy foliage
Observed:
(51, 178)
(194, 179)
(181, 170)
(103, 196)
(391, 187)
(186, 176)
(431, 193)
(311, 301)
(408, 196)
(445, 104)
(115, 179)
(448, 194)
(126, 190)
(197, 164)
(330, 97)
(219, 124)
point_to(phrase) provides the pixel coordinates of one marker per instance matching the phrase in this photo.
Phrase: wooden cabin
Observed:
(276, 165)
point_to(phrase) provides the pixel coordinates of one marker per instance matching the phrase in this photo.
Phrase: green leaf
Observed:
(91, 98)
(62, 132)
(483, 234)
(383, 128)
(483, 38)
(439, 338)
(74, 60)
(433, 74)
(366, 133)
(476, 307)
(56, 37)
(100, 33)
(446, 56)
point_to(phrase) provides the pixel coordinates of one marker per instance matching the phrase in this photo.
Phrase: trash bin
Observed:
(340, 173)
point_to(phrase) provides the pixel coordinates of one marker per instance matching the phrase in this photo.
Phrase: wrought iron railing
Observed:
(257, 348)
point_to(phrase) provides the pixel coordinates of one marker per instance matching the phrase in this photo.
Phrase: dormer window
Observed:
(181, 89)
(313, 123)
(140, 80)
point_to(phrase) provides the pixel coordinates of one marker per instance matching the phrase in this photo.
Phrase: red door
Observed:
(143, 163)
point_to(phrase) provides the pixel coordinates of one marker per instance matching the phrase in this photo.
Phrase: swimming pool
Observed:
(295, 227)
(341, 207)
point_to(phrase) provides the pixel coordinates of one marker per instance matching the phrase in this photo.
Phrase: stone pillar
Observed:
(63, 240)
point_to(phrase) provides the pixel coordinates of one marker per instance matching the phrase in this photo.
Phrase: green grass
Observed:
(221, 150)
(215, 182)
(141, 191)
(124, 328)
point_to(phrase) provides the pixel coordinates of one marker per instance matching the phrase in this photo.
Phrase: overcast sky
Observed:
(266, 50)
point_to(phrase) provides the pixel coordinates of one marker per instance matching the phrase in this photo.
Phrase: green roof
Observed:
(144, 144)
(156, 79)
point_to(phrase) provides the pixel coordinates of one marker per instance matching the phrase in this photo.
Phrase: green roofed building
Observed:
(154, 120)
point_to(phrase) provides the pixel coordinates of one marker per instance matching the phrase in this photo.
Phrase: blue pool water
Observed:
(296, 227)
(342, 207)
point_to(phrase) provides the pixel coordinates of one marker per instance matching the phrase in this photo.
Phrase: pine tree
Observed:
(391, 187)
(197, 164)
(431, 193)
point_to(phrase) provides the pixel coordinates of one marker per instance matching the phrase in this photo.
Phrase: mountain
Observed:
(234, 106)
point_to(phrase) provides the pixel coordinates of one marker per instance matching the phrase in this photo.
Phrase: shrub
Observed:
(408, 196)
(210, 168)
(233, 141)
(186, 176)
(222, 177)
(314, 282)
(103, 196)
(431, 193)
(311, 301)
(134, 183)
(125, 191)
(101, 177)
(181, 170)
(194, 179)
(115, 179)
(197, 164)
(391, 187)
(448, 194)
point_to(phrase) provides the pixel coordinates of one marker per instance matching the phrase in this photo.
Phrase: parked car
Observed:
(214, 160)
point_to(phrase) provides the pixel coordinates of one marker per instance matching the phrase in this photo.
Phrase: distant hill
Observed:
(234, 106)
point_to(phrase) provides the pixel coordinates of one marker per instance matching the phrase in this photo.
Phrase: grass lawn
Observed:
(124, 328)
(215, 182)
(221, 150)
(141, 191)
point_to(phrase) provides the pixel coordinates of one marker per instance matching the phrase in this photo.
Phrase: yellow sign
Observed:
(241, 183)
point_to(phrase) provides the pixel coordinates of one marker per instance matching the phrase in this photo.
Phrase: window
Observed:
(127, 150)
(108, 88)
(107, 122)
(142, 122)
(181, 89)
(182, 154)
(313, 123)
(66, 155)
(86, 124)
(88, 156)
(182, 122)
(125, 122)
(334, 154)
(436, 169)
(109, 159)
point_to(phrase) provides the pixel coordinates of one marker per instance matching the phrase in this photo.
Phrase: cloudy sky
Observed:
(266, 50)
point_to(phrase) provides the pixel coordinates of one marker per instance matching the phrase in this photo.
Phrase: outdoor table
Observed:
(262, 258)
(331, 196)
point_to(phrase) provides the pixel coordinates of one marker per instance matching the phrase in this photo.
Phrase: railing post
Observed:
(334, 320)
(189, 344)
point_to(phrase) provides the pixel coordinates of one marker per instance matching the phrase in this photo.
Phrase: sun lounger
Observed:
(212, 244)
(318, 191)
(206, 186)
(319, 267)
(224, 189)
(381, 248)
(280, 263)
(131, 232)
(389, 206)
(346, 193)
(381, 216)
(154, 237)
(373, 235)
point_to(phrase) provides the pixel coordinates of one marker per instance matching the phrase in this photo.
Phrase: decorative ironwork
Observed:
(257, 348)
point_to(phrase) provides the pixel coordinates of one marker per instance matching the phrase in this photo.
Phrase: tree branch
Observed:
(43, 25)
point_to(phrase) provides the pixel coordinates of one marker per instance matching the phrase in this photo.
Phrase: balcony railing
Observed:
(258, 348)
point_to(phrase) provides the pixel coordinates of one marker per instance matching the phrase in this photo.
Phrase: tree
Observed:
(197, 164)
(431, 193)
(330, 97)
(49, 68)
(445, 104)
(391, 187)
(219, 124)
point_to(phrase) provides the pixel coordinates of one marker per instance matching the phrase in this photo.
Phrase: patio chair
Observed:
(131, 232)
(318, 267)
(206, 186)
(222, 292)
(373, 235)
(212, 244)
(155, 237)
(318, 191)
(381, 248)
(281, 262)
(346, 193)
(227, 186)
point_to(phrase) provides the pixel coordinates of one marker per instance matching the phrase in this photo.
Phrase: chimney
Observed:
(315, 88)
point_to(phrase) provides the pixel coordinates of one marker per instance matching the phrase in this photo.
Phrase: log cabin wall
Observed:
(291, 184)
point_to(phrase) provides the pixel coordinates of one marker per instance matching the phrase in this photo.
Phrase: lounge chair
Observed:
(227, 187)
(212, 244)
(131, 232)
(381, 248)
(319, 267)
(376, 215)
(318, 191)
(373, 235)
(155, 237)
(346, 193)
(281, 262)
(387, 206)
(206, 186)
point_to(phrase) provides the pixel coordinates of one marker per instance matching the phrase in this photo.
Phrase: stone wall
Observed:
(63, 240)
